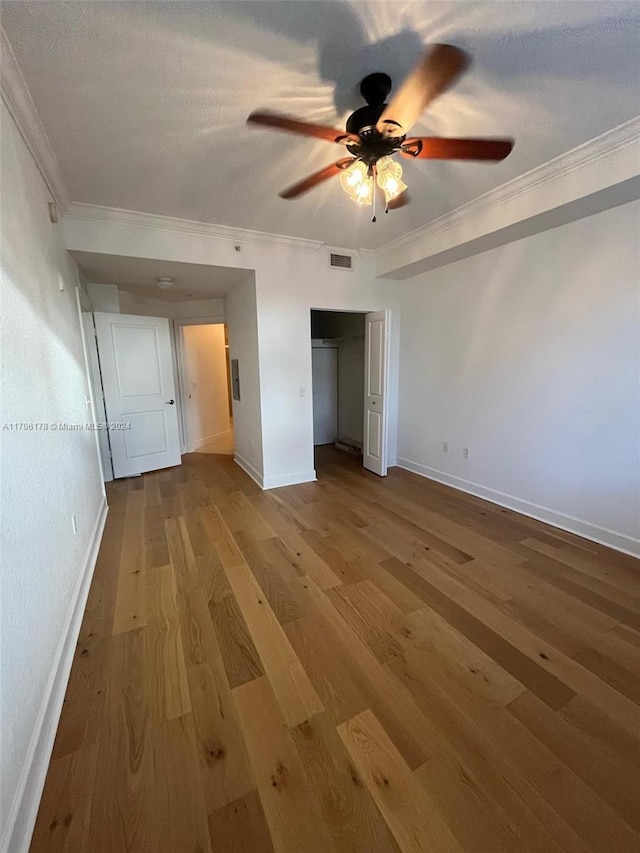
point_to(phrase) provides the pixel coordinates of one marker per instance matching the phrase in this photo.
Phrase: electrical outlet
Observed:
(445, 446)
(466, 452)
(301, 391)
(74, 523)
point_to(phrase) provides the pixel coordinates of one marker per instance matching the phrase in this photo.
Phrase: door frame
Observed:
(104, 322)
(389, 317)
(178, 323)
(95, 399)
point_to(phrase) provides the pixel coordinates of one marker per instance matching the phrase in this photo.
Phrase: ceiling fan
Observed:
(378, 131)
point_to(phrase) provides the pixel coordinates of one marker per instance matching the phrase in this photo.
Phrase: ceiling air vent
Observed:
(340, 262)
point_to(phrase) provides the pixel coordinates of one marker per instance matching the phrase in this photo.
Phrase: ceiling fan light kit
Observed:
(389, 178)
(378, 131)
(357, 183)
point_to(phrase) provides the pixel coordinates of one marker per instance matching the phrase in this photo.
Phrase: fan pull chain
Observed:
(373, 169)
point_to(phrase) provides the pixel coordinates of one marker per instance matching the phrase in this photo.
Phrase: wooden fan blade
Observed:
(436, 72)
(317, 178)
(437, 148)
(293, 125)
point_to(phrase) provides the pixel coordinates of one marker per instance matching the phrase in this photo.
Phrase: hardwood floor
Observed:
(222, 444)
(356, 664)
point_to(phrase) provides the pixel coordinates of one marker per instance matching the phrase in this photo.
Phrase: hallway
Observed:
(357, 664)
(223, 444)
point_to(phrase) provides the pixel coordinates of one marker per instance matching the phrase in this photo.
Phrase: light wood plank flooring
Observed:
(357, 664)
(222, 444)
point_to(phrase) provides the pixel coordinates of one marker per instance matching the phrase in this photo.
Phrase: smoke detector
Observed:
(165, 282)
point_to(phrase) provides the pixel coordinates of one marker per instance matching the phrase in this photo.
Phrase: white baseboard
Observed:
(289, 480)
(274, 482)
(209, 438)
(601, 535)
(248, 468)
(24, 809)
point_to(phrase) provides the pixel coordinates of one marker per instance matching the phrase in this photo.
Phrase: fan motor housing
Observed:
(374, 88)
(364, 117)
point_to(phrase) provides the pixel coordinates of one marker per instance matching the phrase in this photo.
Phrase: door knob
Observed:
(169, 402)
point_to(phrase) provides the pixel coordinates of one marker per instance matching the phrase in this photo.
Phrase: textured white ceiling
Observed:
(138, 275)
(145, 103)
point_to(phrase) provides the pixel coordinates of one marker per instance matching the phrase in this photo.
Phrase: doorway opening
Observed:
(338, 377)
(205, 383)
(349, 359)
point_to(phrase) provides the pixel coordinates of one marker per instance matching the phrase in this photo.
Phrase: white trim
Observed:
(79, 210)
(248, 468)
(209, 320)
(17, 97)
(274, 482)
(102, 441)
(209, 438)
(289, 480)
(367, 255)
(24, 809)
(601, 535)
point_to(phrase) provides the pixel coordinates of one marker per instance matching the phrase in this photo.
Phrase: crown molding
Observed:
(95, 212)
(585, 155)
(369, 255)
(17, 97)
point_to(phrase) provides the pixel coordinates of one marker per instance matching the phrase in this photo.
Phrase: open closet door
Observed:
(139, 390)
(374, 445)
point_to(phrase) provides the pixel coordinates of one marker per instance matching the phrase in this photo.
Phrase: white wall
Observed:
(242, 322)
(529, 355)
(46, 477)
(290, 279)
(133, 303)
(287, 288)
(206, 380)
(104, 297)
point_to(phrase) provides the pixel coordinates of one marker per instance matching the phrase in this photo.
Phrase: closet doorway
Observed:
(338, 374)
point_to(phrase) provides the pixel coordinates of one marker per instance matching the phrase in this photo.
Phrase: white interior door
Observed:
(137, 377)
(374, 445)
(324, 374)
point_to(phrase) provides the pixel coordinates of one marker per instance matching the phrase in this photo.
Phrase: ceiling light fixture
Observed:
(165, 282)
(358, 181)
(389, 178)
